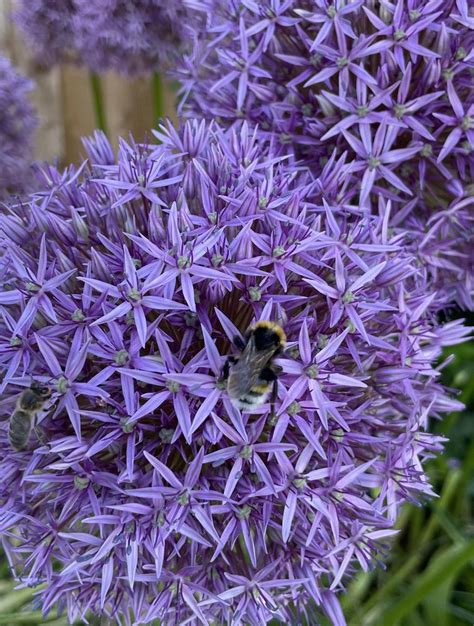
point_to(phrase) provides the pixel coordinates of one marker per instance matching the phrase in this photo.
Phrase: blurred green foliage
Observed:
(429, 575)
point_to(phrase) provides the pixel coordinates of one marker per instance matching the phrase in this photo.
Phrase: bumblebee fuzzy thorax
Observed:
(268, 334)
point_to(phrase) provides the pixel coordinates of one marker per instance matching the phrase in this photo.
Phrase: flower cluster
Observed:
(130, 36)
(144, 493)
(388, 85)
(48, 28)
(17, 126)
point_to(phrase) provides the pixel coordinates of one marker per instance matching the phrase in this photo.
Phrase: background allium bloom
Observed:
(48, 28)
(122, 285)
(389, 85)
(130, 36)
(17, 126)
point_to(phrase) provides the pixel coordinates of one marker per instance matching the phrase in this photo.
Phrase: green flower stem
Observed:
(158, 97)
(98, 101)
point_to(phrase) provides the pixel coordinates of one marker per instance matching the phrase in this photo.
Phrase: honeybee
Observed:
(30, 402)
(251, 377)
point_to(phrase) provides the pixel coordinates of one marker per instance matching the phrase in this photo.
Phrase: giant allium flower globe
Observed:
(48, 28)
(130, 36)
(144, 493)
(17, 125)
(389, 85)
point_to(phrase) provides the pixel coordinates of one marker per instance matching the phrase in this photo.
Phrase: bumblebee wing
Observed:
(245, 373)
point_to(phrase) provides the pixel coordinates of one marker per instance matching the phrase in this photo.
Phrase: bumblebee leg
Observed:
(226, 369)
(239, 343)
(38, 433)
(273, 399)
(268, 374)
(39, 436)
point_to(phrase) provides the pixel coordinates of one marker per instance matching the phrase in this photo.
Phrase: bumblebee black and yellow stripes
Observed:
(252, 376)
(268, 334)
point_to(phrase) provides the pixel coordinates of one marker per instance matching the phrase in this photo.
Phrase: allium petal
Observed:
(346, 381)
(166, 473)
(107, 575)
(188, 291)
(288, 515)
(140, 324)
(369, 276)
(193, 605)
(354, 474)
(49, 356)
(233, 478)
(116, 313)
(132, 562)
(183, 415)
(205, 409)
(25, 320)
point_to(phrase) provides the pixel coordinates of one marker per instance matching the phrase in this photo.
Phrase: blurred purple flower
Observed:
(363, 79)
(48, 28)
(148, 495)
(129, 36)
(17, 126)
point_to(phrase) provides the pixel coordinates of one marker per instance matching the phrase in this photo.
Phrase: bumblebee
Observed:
(252, 376)
(30, 402)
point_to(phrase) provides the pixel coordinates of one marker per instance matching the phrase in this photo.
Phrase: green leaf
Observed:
(14, 600)
(450, 562)
(31, 618)
(436, 604)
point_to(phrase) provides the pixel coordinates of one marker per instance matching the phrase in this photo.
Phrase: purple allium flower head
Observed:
(17, 125)
(48, 28)
(144, 493)
(130, 36)
(389, 85)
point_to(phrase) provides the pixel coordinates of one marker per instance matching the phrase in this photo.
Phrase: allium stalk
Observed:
(386, 85)
(158, 97)
(143, 493)
(98, 101)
